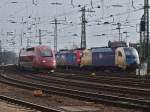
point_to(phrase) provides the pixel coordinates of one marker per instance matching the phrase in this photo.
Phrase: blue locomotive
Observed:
(100, 58)
(105, 57)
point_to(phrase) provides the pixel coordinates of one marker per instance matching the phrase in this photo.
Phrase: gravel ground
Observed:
(5, 107)
(57, 101)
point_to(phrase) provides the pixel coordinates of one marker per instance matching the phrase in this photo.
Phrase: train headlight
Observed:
(44, 61)
(54, 62)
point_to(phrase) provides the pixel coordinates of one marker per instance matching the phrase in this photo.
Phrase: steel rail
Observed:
(91, 85)
(28, 104)
(111, 80)
(83, 95)
(118, 74)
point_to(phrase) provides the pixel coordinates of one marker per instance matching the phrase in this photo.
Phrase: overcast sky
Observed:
(24, 17)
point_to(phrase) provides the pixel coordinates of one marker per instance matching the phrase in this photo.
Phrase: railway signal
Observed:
(144, 40)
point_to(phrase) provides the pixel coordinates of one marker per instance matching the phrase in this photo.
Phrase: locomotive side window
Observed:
(119, 54)
(46, 53)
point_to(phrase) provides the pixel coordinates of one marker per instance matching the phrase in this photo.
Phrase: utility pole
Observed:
(22, 32)
(146, 33)
(144, 40)
(55, 28)
(119, 27)
(36, 30)
(40, 40)
(28, 42)
(126, 35)
(55, 22)
(83, 29)
(55, 35)
(2, 50)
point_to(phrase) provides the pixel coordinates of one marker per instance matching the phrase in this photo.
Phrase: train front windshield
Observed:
(46, 53)
(131, 53)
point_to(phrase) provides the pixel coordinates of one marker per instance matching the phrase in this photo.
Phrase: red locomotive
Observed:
(69, 58)
(38, 58)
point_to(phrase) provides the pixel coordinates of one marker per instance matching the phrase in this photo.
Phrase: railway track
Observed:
(82, 95)
(105, 73)
(95, 87)
(131, 82)
(28, 104)
(141, 82)
(114, 85)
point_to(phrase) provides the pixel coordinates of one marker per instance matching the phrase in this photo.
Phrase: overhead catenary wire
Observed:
(73, 12)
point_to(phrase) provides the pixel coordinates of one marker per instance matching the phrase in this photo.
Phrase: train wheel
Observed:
(36, 70)
(52, 71)
(21, 68)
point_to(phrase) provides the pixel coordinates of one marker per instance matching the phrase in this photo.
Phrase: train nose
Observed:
(49, 63)
(43, 61)
(54, 62)
(133, 63)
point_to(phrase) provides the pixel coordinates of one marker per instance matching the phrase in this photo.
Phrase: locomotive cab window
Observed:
(130, 53)
(30, 49)
(46, 53)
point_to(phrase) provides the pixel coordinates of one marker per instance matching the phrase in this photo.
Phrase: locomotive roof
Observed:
(71, 49)
(30, 49)
(99, 47)
(68, 50)
(102, 49)
(33, 48)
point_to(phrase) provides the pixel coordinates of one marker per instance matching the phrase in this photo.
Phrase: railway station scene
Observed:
(74, 56)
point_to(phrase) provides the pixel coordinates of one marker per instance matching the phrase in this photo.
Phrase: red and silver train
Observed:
(38, 58)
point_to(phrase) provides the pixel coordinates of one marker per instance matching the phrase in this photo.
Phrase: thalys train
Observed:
(38, 58)
(99, 58)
